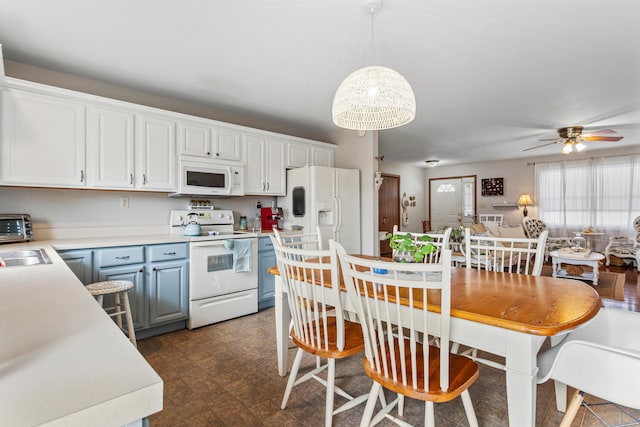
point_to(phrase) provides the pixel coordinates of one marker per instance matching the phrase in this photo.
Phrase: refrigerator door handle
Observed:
(338, 220)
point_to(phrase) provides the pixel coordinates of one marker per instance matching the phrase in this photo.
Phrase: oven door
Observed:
(211, 270)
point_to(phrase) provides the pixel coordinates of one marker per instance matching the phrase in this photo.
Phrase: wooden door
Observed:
(388, 208)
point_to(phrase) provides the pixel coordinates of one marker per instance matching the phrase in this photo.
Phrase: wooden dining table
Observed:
(505, 314)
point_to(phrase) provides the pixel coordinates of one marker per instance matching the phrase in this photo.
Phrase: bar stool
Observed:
(118, 288)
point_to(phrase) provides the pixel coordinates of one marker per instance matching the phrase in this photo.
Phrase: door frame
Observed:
(475, 190)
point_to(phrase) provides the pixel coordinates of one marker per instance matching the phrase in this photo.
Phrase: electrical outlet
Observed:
(124, 202)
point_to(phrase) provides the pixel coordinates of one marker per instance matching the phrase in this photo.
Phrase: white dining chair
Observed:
(439, 240)
(299, 239)
(310, 279)
(503, 254)
(395, 357)
(601, 358)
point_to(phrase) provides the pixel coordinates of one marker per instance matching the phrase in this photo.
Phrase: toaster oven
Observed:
(15, 228)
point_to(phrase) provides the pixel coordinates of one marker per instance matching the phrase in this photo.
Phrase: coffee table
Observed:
(562, 257)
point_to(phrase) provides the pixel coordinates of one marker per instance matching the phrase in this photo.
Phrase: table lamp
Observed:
(525, 200)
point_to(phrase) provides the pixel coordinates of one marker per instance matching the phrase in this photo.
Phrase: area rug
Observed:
(610, 285)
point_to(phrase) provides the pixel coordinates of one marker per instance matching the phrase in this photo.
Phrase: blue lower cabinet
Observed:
(266, 281)
(80, 261)
(168, 292)
(133, 273)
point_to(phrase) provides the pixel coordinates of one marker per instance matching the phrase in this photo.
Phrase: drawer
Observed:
(265, 244)
(120, 256)
(168, 252)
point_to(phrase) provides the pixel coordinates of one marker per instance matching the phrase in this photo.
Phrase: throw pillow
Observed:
(512, 232)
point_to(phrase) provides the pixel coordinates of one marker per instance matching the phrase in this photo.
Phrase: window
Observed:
(600, 192)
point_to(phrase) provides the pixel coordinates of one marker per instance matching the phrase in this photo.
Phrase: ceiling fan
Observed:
(572, 137)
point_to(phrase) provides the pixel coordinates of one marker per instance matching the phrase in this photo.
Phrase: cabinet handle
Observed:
(208, 153)
(81, 175)
(267, 186)
(217, 154)
(169, 253)
(141, 270)
(268, 244)
(130, 178)
(155, 269)
(263, 186)
(144, 179)
(123, 257)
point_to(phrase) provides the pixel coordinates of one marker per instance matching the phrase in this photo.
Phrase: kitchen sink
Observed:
(22, 258)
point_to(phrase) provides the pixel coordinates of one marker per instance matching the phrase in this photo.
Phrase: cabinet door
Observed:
(168, 299)
(135, 274)
(266, 281)
(297, 155)
(110, 148)
(227, 144)
(194, 139)
(322, 156)
(156, 169)
(254, 176)
(274, 170)
(43, 140)
(81, 263)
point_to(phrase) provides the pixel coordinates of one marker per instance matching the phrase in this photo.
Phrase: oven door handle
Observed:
(210, 243)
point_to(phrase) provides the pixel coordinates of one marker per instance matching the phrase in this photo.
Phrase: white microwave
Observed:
(209, 178)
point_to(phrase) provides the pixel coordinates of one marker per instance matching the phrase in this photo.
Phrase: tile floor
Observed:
(225, 375)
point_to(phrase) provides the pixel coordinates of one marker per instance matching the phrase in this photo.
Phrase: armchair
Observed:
(534, 227)
(622, 247)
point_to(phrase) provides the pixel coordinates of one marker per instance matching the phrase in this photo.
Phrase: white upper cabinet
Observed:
(322, 156)
(194, 139)
(209, 142)
(265, 172)
(110, 148)
(43, 140)
(131, 151)
(227, 144)
(298, 155)
(156, 153)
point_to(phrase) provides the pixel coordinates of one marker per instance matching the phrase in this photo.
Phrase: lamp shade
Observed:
(373, 98)
(525, 199)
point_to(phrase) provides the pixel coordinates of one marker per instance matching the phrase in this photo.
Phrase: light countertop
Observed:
(63, 361)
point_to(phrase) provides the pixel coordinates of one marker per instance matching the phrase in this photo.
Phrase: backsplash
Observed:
(66, 208)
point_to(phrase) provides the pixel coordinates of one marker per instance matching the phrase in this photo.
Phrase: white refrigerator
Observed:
(324, 197)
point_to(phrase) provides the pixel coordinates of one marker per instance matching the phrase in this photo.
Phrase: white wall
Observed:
(58, 208)
(412, 182)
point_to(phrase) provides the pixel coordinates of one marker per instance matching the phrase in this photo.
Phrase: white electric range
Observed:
(216, 291)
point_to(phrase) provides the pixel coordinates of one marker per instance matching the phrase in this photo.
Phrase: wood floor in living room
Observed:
(225, 375)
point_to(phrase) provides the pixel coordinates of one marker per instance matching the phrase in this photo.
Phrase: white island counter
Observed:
(62, 359)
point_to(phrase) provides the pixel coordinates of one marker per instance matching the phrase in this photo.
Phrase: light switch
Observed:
(124, 202)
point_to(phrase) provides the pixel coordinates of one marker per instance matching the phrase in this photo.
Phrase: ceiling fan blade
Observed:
(540, 146)
(600, 138)
(551, 139)
(599, 132)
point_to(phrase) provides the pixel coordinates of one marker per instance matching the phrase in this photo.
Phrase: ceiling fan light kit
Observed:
(432, 163)
(374, 97)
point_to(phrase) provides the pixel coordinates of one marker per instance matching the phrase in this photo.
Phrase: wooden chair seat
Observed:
(462, 373)
(353, 343)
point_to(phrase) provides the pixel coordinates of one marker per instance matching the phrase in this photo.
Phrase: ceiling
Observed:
(491, 77)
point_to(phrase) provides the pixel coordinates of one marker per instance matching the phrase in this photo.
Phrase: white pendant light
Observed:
(375, 97)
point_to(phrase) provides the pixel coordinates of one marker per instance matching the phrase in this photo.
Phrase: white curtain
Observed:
(603, 193)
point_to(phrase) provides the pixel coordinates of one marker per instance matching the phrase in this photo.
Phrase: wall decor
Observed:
(493, 186)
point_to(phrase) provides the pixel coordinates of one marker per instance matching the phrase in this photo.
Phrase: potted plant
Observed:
(407, 248)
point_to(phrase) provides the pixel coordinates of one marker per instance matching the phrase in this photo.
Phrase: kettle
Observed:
(191, 225)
